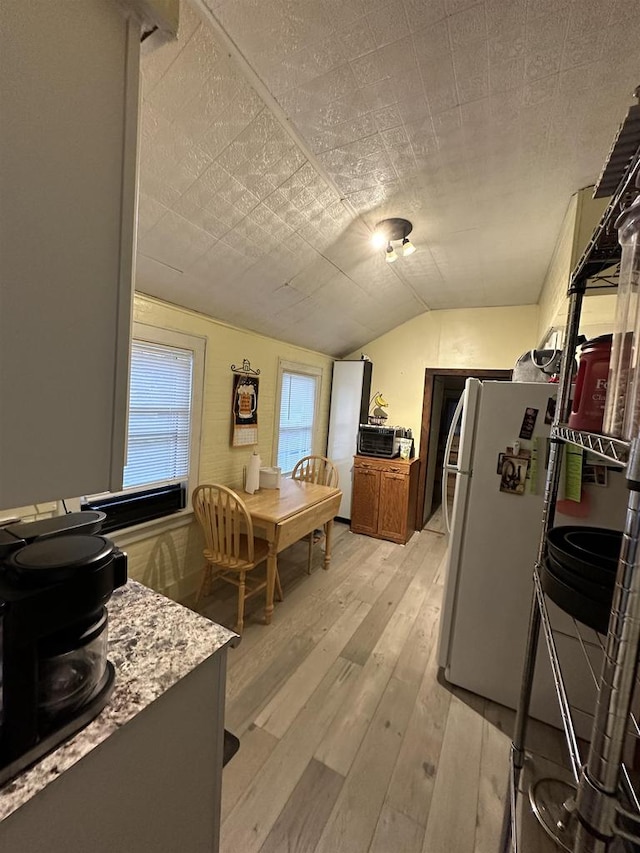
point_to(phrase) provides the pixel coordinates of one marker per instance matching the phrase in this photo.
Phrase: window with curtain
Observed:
(298, 407)
(160, 406)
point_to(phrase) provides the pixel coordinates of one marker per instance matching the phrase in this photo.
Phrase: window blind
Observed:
(297, 412)
(159, 426)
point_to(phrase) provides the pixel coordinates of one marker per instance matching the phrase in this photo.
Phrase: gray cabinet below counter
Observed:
(146, 774)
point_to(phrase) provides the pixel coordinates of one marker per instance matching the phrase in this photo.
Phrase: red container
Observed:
(587, 409)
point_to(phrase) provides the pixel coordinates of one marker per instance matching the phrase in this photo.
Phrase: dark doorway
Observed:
(442, 390)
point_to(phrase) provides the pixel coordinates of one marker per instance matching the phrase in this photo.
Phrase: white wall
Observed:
(554, 289)
(472, 338)
(581, 218)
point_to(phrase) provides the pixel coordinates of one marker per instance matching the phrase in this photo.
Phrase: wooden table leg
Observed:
(272, 566)
(328, 529)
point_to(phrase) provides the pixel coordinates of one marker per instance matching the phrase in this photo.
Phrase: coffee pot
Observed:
(56, 577)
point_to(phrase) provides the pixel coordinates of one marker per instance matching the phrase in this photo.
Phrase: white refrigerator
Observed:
(350, 393)
(493, 545)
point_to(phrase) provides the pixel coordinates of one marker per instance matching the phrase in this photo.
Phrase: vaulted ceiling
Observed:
(276, 133)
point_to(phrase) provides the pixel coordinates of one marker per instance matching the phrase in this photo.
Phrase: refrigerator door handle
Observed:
(448, 468)
(445, 503)
(452, 469)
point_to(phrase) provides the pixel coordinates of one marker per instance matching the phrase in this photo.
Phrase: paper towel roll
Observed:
(252, 481)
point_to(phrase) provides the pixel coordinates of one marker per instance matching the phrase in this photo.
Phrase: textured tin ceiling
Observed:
(276, 133)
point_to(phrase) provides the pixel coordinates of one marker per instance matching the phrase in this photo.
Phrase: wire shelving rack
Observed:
(602, 812)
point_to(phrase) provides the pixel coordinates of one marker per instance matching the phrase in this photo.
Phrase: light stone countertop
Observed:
(153, 643)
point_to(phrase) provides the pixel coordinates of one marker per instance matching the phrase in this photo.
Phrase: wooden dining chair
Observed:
(315, 469)
(231, 550)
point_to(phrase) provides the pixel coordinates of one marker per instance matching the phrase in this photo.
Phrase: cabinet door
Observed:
(67, 183)
(392, 513)
(364, 506)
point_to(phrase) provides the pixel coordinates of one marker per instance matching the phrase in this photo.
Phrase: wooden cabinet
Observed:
(365, 499)
(384, 497)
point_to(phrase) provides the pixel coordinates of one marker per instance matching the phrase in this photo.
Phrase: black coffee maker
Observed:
(56, 576)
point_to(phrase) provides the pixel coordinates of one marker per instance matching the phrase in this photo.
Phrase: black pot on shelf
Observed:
(579, 572)
(592, 612)
(589, 551)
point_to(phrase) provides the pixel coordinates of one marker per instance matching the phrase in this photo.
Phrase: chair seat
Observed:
(242, 564)
(222, 515)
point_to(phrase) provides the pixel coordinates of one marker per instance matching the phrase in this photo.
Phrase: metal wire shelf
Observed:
(634, 720)
(614, 450)
(628, 806)
(558, 679)
(607, 801)
(603, 250)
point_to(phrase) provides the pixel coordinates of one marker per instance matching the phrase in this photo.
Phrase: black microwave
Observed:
(380, 441)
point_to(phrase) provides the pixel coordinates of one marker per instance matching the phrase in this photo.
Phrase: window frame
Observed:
(285, 366)
(197, 345)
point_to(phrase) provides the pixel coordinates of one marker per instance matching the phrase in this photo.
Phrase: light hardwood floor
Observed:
(350, 740)
(435, 523)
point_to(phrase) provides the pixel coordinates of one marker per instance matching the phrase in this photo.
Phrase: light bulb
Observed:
(391, 254)
(407, 247)
(378, 239)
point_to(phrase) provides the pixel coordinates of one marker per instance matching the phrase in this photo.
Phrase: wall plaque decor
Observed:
(244, 405)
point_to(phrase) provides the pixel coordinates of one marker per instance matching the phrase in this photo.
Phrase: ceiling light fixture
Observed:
(379, 240)
(407, 247)
(389, 230)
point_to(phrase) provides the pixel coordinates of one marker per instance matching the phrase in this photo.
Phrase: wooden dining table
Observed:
(285, 515)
